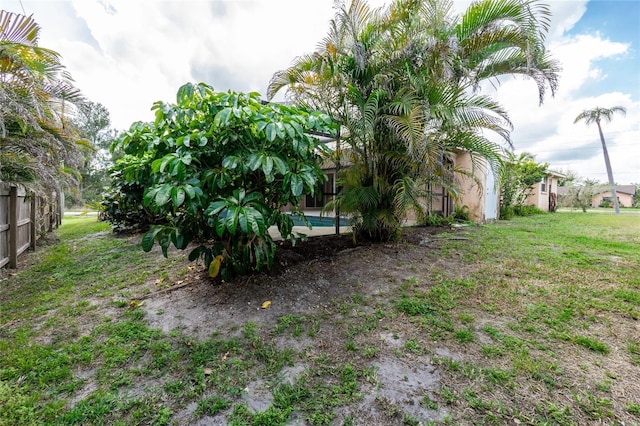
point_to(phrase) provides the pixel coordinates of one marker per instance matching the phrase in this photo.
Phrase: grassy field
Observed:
(540, 319)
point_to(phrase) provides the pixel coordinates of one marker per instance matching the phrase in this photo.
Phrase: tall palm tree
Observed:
(597, 115)
(37, 94)
(402, 83)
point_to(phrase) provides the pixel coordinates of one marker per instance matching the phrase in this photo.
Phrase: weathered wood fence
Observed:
(24, 216)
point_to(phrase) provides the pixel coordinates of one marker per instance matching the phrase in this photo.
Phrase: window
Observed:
(320, 198)
(543, 185)
(314, 201)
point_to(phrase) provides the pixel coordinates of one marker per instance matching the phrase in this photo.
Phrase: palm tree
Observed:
(36, 97)
(402, 84)
(596, 115)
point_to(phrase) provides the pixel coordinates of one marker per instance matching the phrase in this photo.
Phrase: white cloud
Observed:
(548, 130)
(128, 54)
(578, 56)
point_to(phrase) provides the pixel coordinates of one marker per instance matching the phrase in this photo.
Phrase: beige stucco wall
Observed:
(471, 194)
(625, 200)
(539, 198)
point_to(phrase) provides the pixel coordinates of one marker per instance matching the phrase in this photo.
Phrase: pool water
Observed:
(317, 221)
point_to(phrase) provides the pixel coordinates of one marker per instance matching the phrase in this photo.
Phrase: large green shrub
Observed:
(222, 167)
(122, 204)
(519, 175)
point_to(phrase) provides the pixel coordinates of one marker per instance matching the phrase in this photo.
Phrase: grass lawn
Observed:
(530, 321)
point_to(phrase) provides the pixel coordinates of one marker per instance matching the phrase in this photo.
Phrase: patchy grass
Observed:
(532, 321)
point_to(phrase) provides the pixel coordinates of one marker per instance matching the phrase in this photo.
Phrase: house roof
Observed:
(601, 189)
(626, 189)
(554, 173)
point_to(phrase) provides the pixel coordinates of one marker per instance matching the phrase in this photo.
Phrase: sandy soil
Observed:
(310, 279)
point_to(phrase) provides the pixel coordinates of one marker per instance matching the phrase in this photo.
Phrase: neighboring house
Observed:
(625, 195)
(544, 194)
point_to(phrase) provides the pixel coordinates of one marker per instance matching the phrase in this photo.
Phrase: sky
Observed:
(127, 54)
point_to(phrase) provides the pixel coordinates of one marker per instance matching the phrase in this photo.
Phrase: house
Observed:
(475, 185)
(544, 194)
(625, 195)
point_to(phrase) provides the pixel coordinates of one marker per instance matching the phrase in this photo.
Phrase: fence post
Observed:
(13, 227)
(33, 226)
(52, 217)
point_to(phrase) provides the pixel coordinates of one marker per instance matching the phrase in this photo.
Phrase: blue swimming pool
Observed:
(317, 221)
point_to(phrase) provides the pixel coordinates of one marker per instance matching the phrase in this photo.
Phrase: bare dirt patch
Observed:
(338, 282)
(305, 279)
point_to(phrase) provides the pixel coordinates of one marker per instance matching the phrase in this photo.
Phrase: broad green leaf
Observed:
(149, 196)
(155, 165)
(186, 158)
(231, 221)
(195, 253)
(215, 208)
(271, 132)
(164, 244)
(185, 92)
(149, 238)
(309, 177)
(166, 160)
(280, 165)
(177, 195)
(256, 220)
(231, 162)
(179, 170)
(260, 257)
(254, 160)
(220, 226)
(298, 129)
(179, 239)
(252, 198)
(290, 130)
(242, 221)
(267, 165)
(191, 193)
(163, 195)
(296, 185)
(222, 117)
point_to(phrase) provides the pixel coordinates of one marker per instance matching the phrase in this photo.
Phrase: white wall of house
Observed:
(492, 198)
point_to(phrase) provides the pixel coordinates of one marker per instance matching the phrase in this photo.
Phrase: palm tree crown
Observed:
(598, 114)
(36, 97)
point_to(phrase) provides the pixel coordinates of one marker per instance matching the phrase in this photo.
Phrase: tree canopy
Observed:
(404, 83)
(37, 95)
(217, 169)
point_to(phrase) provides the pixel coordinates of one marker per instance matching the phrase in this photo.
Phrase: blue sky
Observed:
(618, 20)
(128, 54)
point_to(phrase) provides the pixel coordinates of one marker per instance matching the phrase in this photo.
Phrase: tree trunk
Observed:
(607, 163)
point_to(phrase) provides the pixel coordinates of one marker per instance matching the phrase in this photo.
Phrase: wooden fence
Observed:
(24, 216)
